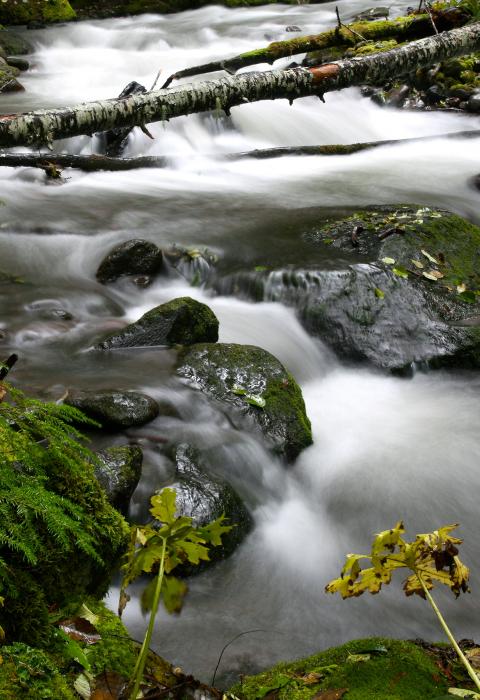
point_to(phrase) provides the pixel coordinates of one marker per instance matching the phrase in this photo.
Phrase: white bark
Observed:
(44, 126)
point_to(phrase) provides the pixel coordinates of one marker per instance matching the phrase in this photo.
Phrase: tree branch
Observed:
(45, 126)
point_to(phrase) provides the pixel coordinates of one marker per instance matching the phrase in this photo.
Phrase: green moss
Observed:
(404, 672)
(8, 74)
(23, 12)
(375, 47)
(30, 673)
(115, 651)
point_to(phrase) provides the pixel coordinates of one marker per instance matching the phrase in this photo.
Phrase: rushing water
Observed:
(384, 448)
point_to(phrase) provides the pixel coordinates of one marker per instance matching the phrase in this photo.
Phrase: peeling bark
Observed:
(44, 126)
(96, 163)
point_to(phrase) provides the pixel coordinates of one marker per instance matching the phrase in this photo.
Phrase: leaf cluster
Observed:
(432, 558)
(175, 540)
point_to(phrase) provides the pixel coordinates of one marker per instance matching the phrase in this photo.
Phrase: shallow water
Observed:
(384, 448)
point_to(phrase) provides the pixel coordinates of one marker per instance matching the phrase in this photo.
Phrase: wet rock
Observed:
(434, 95)
(8, 77)
(204, 498)
(182, 321)
(118, 472)
(14, 44)
(256, 388)
(373, 13)
(115, 409)
(473, 104)
(392, 306)
(192, 264)
(397, 96)
(16, 62)
(134, 257)
(292, 28)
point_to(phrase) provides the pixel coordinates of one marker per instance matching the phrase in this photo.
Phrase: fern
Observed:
(53, 513)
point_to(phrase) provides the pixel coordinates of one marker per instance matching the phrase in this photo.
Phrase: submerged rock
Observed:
(115, 409)
(118, 472)
(256, 386)
(182, 321)
(410, 295)
(134, 257)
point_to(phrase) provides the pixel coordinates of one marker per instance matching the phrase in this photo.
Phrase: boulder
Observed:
(182, 321)
(409, 295)
(118, 471)
(14, 44)
(115, 409)
(134, 257)
(8, 77)
(255, 388)
(26, 11)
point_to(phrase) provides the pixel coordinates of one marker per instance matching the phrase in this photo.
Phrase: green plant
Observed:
(54, 518)
(161, 547)
(431, 557)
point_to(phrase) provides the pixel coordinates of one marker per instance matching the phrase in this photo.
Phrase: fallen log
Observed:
(402, 29)
(97, 163)
(44, 126)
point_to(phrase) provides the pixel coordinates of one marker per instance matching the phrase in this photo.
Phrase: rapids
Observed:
(384, 448)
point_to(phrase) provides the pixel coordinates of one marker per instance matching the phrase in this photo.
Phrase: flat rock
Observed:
(115, 409)
(182, 321)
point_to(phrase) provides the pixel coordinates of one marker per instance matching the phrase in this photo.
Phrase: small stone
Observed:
(115, 409)
(434, 95)
(292, 28)
(134, 257)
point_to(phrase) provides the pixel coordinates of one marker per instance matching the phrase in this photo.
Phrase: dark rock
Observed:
(16, 62)
(134, 257)
(118, 472)
(475, 182)
(368, 310)
(14, 44)
(397, 96)
(255, 386)
(204, 498)
(473, 104)
(372, 14)
(182, 321)
(434, 94)
(292, 28)
(115, 409)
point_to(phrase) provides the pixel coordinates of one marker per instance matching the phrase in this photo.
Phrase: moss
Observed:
(375, 47)
(402, 672)
(8, 75)
(115, 651)
(30, 673)
(25, 11)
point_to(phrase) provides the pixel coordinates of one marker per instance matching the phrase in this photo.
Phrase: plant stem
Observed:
(142, 657)
(453, 642)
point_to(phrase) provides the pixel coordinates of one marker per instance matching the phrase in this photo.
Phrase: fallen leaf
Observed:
(400, 272)
(473, 655)
(358, 658)
(109, 686)
(430, 276)
(437, 274)
(388, 261)
(379, 293)
(418, 264)
(312, 678)
(430, 257)
(332, 694)
(80, 629)
(461, 288)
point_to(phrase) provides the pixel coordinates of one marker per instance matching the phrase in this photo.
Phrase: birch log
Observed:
(44, 126)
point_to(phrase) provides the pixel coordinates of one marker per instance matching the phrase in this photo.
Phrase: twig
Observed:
(6, 366)
(156, 80)
(226, 647)
(428, 8)
(352, 31)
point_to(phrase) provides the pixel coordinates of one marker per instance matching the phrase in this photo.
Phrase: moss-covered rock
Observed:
(25, 11)
(182, 321)
(115, 409)
(369, 669)
(255, 386)
(13, 44)
(118, 472)
(409, 295)
(8, 77)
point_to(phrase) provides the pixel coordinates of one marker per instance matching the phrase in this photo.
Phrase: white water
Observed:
(384, 448)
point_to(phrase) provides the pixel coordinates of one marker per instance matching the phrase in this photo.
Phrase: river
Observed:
(385, 448)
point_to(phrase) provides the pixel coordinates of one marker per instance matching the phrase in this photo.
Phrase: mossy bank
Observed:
(25, 12)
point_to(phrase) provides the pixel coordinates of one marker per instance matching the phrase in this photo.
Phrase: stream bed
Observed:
(384, 448)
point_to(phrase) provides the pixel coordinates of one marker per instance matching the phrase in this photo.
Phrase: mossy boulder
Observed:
(8, 77)
(365, 669)
(255, 387)
(134, 257)
(118, 471)
(115, 409)
(182, 321)
(14, 44)
(25, 11)
(401, 287)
